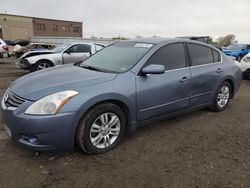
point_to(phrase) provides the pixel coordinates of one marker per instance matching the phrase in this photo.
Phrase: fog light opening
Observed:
(30, 138)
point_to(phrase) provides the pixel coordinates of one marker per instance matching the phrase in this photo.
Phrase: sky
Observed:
(130, 18)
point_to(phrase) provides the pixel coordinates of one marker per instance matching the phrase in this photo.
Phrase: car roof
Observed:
(88, 43)
(159, 40)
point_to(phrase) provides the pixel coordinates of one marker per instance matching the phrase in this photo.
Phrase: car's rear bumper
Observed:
(55, 132)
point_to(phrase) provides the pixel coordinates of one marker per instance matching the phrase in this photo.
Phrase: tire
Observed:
(92, 135)
(246, 75)
(40, 65)
(218, 105)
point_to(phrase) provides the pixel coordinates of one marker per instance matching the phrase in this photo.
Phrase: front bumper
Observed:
(55, 132)
(23, 64)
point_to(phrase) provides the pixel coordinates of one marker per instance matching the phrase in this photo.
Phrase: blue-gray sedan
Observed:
(92, 104)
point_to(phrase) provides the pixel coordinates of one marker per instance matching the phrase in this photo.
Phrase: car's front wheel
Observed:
(222, 97)
(43, 64)
(101, 128)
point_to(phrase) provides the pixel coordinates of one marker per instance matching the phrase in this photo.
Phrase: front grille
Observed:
(13, 100)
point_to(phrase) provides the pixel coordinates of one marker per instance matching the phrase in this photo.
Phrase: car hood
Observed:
(35, 53)
(42, 83)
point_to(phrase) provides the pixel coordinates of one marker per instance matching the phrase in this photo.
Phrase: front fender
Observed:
(87, 103)
(53, 59)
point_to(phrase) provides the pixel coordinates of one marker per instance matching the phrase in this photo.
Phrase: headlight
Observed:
(51, 104)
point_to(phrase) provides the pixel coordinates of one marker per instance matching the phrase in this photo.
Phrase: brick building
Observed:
(23, 27)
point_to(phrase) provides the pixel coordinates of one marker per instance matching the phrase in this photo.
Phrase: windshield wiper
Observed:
(93, 68)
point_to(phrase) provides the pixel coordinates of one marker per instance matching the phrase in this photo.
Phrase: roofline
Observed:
(3, 14)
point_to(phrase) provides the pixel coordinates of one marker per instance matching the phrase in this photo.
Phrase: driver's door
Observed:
(162, 94)
(76, 53)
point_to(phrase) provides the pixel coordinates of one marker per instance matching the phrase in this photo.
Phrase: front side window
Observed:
(80, 48)
(61, 47)
(171, 56)
(119, 57)
(200, 55)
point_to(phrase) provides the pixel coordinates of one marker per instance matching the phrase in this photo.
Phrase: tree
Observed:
(226, 40)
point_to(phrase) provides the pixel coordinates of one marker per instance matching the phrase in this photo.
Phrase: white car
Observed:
(4, 49)
(244, 65)
(63, 54)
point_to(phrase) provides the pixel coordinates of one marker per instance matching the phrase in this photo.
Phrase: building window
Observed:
(65, 28)
(40, 27)
(55, 27)
(76, 29)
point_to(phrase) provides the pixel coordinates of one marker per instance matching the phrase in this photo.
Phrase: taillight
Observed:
(6, 48)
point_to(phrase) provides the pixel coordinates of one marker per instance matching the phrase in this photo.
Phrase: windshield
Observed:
(61, 48)
(235, 47)
(119, 57)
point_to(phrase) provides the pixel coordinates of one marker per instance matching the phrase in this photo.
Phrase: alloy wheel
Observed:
(43, 66)
(105, 130)
(223, 96)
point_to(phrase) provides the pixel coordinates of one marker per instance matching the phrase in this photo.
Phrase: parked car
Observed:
(4, 49)
(20, 42)
(63, 54)
(237, 50)
(116, 90)
(8, 42)
(18, 52)
(244, 65)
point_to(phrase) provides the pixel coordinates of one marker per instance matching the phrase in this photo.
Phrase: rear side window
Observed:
(200, 55)
(217, 57)
(171, 56)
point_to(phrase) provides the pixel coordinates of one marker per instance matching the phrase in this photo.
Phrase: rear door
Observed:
(76, 53)
(207, 73)
(166, 93)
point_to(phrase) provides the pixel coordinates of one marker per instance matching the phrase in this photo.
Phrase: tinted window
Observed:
(200, 55)
(171, 56)
(81, 48)
(216, 56)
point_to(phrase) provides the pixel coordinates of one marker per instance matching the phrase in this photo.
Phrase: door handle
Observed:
(219, 70)
(184, 79)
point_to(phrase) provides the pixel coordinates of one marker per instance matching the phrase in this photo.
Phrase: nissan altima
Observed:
(93, 104)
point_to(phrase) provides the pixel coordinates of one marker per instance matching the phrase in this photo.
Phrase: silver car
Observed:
(63, 54)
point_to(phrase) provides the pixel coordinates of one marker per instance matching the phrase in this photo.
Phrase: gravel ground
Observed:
(199, 149)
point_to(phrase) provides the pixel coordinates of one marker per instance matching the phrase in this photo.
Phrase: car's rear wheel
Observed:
(101, 128)
(222, 97)
(43, 65)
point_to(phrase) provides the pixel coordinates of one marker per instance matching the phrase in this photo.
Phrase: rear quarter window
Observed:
(217, 57)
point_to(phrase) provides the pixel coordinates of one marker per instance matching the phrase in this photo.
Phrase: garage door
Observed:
(18, 33)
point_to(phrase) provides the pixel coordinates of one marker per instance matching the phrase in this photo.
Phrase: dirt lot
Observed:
(200, 149)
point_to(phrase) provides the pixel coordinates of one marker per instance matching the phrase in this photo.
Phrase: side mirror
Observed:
(67, 51)
(154, 69)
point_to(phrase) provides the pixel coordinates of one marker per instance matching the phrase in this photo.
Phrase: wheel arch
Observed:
(123, 104)
(48, 60)
(231, 82)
